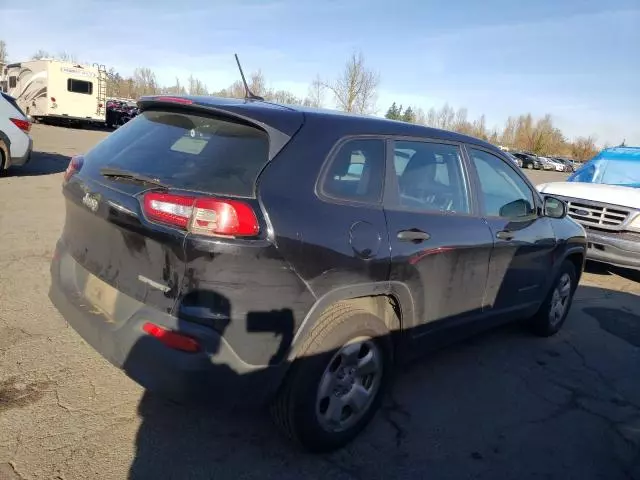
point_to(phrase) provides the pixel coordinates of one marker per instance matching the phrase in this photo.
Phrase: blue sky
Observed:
(576, 59)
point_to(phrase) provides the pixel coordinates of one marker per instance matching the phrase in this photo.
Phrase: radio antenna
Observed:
(248, 94)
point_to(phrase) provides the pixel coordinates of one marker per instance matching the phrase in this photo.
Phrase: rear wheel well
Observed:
(386, 307)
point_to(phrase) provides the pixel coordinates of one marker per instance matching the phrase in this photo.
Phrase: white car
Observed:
(604, 197)
(15, 143)
(546, 163)
(551, 164)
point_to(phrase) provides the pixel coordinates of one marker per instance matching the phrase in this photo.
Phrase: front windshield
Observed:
(610, 172)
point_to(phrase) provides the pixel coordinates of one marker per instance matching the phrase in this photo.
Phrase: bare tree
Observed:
(479, 128)
(145, 81)
(460, 122)
(4, 55)
(67, 57)
(355, 90)
(446, 117)
(176, 89)
(196, 86)
(508, 137)
(258, 84)
(283, 96)
(315, 96)
(40, 54)
(583, 148)
(432, 118)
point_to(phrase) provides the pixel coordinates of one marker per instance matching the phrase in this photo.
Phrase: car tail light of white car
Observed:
(23, 125)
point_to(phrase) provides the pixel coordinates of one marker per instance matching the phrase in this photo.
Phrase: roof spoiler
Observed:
(280, 128)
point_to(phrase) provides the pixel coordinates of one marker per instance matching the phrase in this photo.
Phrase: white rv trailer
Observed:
(52, 90)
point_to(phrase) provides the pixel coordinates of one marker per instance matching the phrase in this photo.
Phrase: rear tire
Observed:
(337, 381)
(555, 308)
(530, 166)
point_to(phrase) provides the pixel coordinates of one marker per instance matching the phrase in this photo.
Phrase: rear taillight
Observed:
(171, 339)
(23, 125)
(202, 215)
(170, 209)
(75, 164)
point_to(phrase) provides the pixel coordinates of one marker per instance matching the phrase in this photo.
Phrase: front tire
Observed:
(555, 308)
(338, 380)
(530, 166)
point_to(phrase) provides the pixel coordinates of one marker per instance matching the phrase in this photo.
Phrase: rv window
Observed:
(79, 86)
(13, 82)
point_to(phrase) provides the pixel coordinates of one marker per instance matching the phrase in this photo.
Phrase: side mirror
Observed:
(517, 209)
(554, 207)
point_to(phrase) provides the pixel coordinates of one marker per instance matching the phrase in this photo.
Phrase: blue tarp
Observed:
(612, 166)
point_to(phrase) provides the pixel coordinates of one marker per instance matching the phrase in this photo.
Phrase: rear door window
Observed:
(186, 151)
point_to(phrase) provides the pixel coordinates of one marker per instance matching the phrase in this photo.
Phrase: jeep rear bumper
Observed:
(213, 375)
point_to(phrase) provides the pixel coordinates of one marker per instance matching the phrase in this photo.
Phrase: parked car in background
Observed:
(546, 163)
(528, 160)
(568, 164)
(235, 284)
(15, 142)
(604, 197)
(558, 165)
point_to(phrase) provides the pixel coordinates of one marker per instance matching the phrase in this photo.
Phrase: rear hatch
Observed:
(173, 171)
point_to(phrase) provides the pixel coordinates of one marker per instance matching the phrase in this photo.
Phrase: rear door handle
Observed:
(505, 235)
(413, 235)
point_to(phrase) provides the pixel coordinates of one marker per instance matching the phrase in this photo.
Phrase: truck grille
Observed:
(597, 215)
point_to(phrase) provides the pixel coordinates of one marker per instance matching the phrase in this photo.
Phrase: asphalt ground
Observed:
(503, 405)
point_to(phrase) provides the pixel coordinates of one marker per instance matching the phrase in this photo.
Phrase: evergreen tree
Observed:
(409, 115)
(393, 113)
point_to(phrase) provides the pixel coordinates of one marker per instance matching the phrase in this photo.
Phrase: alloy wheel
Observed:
(560, 300)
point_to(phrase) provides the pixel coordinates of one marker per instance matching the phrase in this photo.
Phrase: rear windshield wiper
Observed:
(112, 172)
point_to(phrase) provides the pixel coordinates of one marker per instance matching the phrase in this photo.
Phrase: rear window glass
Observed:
(186, 151)
(79, 86)
(13, 103)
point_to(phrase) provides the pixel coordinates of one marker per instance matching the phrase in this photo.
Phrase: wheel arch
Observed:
(390, 301)
(577, 256)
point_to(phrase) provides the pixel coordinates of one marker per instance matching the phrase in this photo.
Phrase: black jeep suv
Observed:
(221, 249)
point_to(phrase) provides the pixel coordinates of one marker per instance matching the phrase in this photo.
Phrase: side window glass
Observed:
(357, 171)
(430, 177)
(505, 194)
(584, 174)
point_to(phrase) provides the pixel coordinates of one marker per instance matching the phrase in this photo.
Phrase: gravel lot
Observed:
(502, 405)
